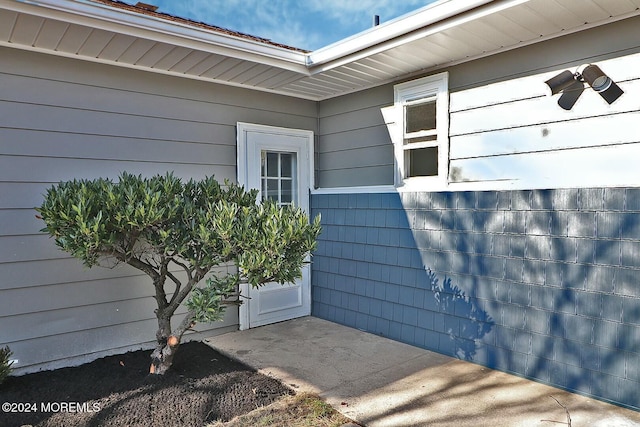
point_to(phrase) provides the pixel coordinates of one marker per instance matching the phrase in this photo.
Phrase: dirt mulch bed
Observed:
(202, 386)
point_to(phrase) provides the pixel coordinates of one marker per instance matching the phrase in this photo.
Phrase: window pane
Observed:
(279, 177)
(429, 138)
(272, 189)
(286, 165)
(422, 162)
(420, 117)
(272, 164)
(286, 195)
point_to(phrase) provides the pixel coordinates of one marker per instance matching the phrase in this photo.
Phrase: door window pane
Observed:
(279, 177)
(286, 164)
(286, 193)
(272, 164)
(272, 189)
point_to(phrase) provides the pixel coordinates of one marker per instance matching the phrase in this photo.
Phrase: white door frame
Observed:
(248, 164)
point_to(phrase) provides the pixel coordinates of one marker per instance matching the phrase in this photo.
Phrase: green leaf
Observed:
(155, 222)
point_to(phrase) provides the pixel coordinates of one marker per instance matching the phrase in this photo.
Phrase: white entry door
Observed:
(279, 163)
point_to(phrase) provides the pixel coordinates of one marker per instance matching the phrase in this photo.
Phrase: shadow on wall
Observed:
(558, 271)
(474, 323)
(540, 283)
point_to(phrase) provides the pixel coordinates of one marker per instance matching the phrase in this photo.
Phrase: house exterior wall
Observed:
(62, 119)
(533, 272)
(540, 283)
(353, 146)
(499, 111)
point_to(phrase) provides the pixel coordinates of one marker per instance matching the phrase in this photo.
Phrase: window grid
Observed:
(421, 143)
(278, 177)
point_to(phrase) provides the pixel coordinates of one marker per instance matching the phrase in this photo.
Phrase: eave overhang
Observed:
(442, 34)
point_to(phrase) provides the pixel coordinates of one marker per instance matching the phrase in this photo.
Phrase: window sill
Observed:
(423, 184)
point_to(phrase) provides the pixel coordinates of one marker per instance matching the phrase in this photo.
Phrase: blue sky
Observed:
(306, 24)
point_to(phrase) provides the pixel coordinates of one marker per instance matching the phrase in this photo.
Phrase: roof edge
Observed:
(120, 4)
(108, 17)
(399, 27)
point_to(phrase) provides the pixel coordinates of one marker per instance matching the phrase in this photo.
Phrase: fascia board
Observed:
(98, 15)
(396, 30)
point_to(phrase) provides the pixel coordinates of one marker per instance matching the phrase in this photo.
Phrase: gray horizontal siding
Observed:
(73, 294)
(95, 315)
(160, 88)
(569, 134)
(504, 126)
(19, 115)
(360, 138)
(68, 276)
(72, 144)
(21, 195)
(55, 169)
(63, 119)
(596, 44)
(83, 345)
(344, 121)
(19, 221)
(28, 248)
(67, 271)
(376, 156)
(354, 148)
(366, 175)
(535, 143)
(498, 105)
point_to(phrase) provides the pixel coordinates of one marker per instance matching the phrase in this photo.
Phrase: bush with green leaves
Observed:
(180, 231)
(5, 363)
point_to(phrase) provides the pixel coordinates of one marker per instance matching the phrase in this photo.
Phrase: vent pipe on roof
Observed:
(376, 20)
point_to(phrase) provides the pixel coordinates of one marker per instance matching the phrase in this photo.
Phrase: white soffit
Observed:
(488, 28)
(442, 34)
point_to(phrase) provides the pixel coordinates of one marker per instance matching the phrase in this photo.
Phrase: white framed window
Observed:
(421, 142)
(279, 177)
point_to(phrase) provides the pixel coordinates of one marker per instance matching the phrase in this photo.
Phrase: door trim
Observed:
(243, 153)
(242, 150)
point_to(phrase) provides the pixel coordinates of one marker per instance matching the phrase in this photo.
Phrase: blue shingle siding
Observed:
(540, 283)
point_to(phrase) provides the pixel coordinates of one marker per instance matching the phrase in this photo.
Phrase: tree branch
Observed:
(187, 322)
(161, 294)
(133, 238)
(179, 296)
(185, 267)
(175, 280)
(146, 268)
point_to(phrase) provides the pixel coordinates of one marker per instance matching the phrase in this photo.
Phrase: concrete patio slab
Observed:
(383, 383)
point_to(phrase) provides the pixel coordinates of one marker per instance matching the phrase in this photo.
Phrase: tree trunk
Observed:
(162, 356)
(168, 342)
